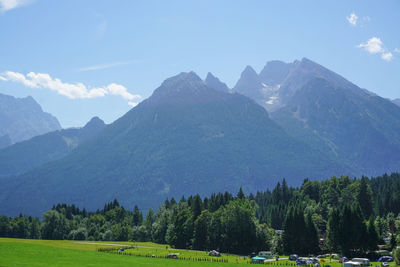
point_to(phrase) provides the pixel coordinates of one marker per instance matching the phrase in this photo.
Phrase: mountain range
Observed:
(29, 154)
(22, 119)
(292, 120)
(328, 112)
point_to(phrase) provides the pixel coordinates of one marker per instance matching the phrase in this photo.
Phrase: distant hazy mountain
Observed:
(250, 84)
(213, 82)
(23, 118)
(331, 114)
(41, 149)
(187, 138)
(396, 101)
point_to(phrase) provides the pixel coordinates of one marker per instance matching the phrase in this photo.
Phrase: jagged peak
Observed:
(210, 76)
(188, 83)
(182, 77)
(249, 71)
(215, 83)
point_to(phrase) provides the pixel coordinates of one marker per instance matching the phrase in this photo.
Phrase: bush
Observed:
(396, 254)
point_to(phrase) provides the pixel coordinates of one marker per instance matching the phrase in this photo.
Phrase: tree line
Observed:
(350, 216)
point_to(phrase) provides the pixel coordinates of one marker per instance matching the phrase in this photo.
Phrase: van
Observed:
(363, 261)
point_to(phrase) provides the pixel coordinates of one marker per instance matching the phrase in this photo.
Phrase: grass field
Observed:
(25, 252)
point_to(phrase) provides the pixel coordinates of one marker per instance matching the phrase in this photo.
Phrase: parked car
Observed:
(293, 257)
(173, 255)
(384, 264)
(300, 262)
(385, 259)
(214, 253)
(343, 259)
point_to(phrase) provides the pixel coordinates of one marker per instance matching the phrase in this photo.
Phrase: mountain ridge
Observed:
(23, 118)
(316, 105)
(38, 150)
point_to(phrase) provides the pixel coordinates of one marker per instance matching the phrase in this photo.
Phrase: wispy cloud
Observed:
(105, 66)
(396, 50)
(352, 19)
(6, 5)
(70, 90)
(375, 46)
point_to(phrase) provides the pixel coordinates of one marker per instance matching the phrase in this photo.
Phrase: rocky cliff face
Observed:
(23, 118)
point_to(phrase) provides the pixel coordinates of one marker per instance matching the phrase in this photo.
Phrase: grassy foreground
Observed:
(24, 252)
(27, 252)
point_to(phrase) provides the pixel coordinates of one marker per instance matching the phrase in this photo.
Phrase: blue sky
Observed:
(81, 59)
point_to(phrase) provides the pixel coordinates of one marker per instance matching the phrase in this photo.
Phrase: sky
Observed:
(80, 59)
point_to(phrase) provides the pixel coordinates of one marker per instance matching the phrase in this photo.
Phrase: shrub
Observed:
(396, 254)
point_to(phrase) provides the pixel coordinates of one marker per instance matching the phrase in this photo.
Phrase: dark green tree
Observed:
(372, 235)
(201, 231)
(196, 206)
(240, 194)
(54, 225)
(137, 216)
(183, 229)
(311, 236)
(364, 198)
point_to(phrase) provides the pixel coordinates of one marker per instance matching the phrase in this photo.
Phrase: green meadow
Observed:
(28, 252)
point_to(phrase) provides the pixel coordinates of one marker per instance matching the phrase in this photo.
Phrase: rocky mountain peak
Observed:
(213, 82)
(275, 72)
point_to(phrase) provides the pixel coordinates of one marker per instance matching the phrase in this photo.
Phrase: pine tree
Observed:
(240, 194)
(312, 243)
(196, 206)
(137, 216)
(372, 235)
(364, 198)
(333, 231)
(201, 231)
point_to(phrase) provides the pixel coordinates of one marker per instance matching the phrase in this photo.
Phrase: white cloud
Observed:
(6, 5)
(376, 46)
(70, 90)
(387, 56)
(117, 89)
(352, 19)
(373, 46)
(104, 66)
(396, 50)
